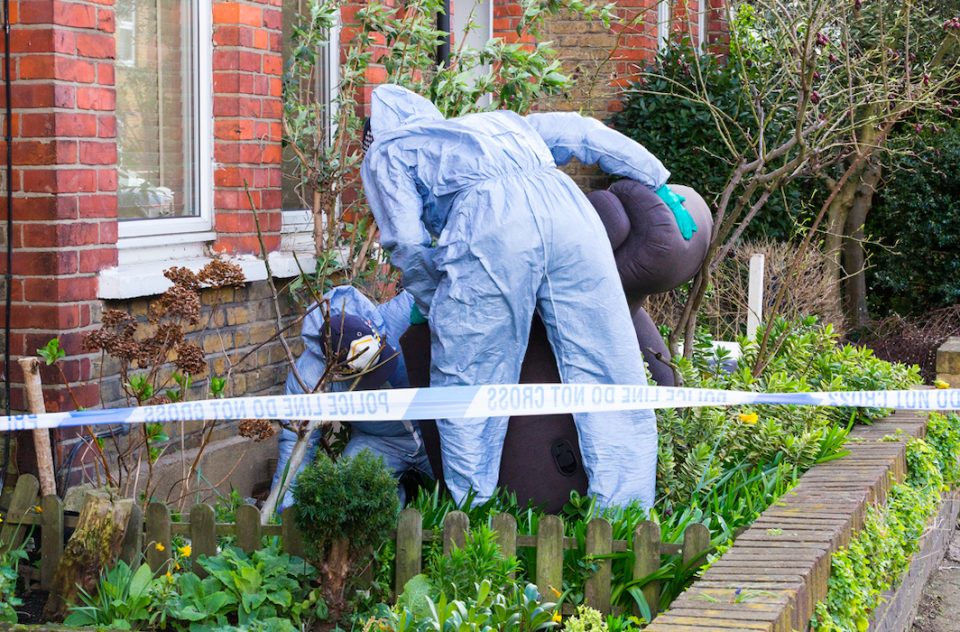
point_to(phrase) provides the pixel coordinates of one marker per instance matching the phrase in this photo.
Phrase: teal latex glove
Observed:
(416, 318)
(686, 224)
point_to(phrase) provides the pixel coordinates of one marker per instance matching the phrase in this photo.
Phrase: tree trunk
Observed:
(836, 224)
(93, 547)
(855, 285)
(335, 570)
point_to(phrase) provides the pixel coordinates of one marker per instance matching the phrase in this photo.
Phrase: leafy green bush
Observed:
(344, 508)
(259, 591)
(880, 553)
(915, 267)
(480, 558)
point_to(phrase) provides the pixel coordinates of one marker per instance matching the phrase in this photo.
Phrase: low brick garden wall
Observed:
(784, 558)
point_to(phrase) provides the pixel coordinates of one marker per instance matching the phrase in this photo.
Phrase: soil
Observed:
(32, 609)
(940, 607)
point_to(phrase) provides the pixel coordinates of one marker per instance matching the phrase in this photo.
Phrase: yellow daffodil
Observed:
(185, 550)
(748, 418)
(160, 547)
(940, 384)
(38, 509)
(555, 591)
(557, 617)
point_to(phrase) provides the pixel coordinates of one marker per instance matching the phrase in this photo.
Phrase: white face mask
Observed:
(363, 352)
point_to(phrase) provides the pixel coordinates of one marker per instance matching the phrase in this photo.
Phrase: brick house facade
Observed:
(213, 95)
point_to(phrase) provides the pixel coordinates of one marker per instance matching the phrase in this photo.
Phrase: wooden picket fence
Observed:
(146, 531)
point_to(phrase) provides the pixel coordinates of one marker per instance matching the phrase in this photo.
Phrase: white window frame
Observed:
(178, 230)
(663, 23)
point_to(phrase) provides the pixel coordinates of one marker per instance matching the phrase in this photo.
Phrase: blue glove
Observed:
(686, 224)
(416, 318)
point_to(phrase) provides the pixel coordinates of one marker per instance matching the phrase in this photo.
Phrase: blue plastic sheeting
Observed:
(486, 229)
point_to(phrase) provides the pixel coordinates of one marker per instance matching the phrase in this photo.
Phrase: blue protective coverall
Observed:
(397, 442)
(514, 234)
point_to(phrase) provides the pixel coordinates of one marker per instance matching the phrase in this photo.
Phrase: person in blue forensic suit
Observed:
(487, 229)
(398, 442)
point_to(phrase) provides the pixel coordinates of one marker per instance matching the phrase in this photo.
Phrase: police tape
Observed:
(456, 402)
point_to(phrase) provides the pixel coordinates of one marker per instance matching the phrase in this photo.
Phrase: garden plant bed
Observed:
(776, 571)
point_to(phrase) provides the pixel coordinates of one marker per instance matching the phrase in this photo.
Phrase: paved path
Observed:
(940, 607)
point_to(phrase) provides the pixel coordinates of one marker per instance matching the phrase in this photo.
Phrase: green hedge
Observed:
(915, 267)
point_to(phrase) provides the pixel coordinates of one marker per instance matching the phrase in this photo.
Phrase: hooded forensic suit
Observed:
(513, 234)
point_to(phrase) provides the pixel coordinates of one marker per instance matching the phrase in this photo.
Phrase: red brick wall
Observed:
(64, 179)
(247, 70)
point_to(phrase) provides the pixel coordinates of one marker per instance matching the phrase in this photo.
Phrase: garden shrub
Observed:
(880, 553)
(915, 267)
(344, 507)
(260, 591)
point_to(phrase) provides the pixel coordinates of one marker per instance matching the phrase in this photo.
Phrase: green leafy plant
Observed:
(9, 561)
(517, 609)
(262, 585)
(122, 600)
(458, 573)
(343, 509)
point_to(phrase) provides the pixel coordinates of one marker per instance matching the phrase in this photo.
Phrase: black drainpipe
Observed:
(443, 24)
(8, 137)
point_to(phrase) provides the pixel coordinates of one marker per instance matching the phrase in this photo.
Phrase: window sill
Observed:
(132, 279)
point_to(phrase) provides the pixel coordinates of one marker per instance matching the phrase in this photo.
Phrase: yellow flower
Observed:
(38, 509)
(169, 576)
(160, 547)
(186, 550)
(555, 591)
(748, 418)
(940, 384)
(176, 566)
(557, 617)
(1, 518)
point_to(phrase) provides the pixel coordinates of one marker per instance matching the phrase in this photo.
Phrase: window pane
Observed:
(156, 113)
(295, 197)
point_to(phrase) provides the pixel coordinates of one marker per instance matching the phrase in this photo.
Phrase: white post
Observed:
(755, 295)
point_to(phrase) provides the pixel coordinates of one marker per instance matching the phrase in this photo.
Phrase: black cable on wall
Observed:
(8, 137)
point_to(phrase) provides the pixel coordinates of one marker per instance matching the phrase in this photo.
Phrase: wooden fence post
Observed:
(203, 535)
(41, 436)
(646, 555)
(455, 527)
(22, 501)
(249, 536)
(506, 527)
(292, 536)
(409, 560)
(132, 548)
(599, 541)
(51, 541)
(157, 537)
(696, 542)
(549, 555)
